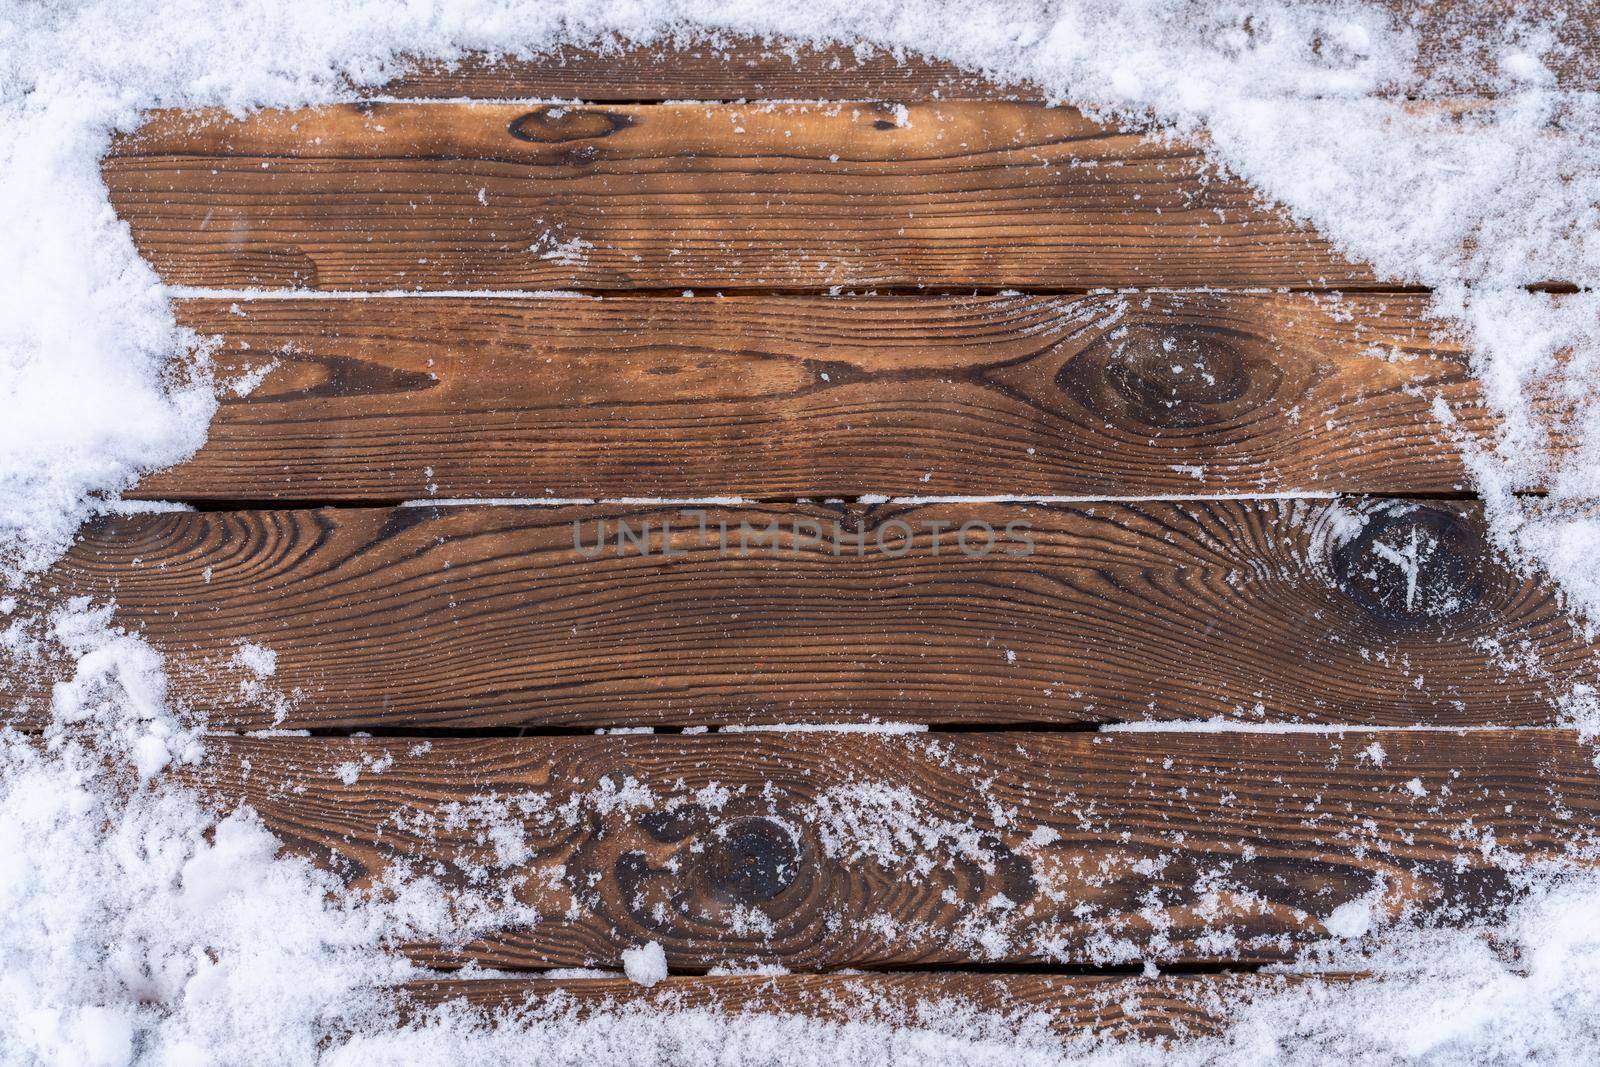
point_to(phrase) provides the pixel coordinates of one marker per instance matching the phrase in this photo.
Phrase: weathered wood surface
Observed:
(1073, 1006)
(722, 68)
(825, 851)
(761, 397)
(733, 67)
(447, 617)
(497, 196)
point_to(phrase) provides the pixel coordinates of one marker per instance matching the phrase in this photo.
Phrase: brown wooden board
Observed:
(1192, 848)
(524, 197)
(711, 68)
(856, 850)
(1073, 1006)
(450, 617)
(734, 67)
(762, 396)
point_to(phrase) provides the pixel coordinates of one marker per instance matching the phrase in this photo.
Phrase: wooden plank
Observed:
(1073, 1006)
(1256, 611)
(719, 68)
(498, 196)
(1452, 35)
(760, 396)
(860, 850)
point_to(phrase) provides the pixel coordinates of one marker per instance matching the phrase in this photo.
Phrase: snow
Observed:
(1350, 919)
(257, 659)
(573, 252)
(873, 727)
(119, 687)
(143, 928)
(887, 824)
(645, 965)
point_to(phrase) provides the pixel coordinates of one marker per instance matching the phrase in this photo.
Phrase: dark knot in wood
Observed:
(752, 860)
(1172, 376)
(1410, 564)
(688, 872)
(1013, 873)
(560, 125)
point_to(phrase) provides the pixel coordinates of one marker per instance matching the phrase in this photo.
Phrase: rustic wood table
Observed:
(687, 408)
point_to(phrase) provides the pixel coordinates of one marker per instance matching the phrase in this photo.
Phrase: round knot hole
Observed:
(1173, 376)
(752, 860)
(560, 125)
(1410, 564)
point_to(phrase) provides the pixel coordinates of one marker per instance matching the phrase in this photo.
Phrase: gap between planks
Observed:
(153, 505)
(246, 296)
(880, 728)
(832, 292)
(1071, 1004)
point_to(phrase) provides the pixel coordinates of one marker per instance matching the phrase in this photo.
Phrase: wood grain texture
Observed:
(825, 851)
(495, 196)
(1073, 1006)
(1454, 40)
(448, 617)
(760, 397)
(712, 68)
